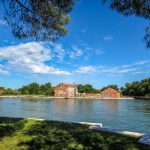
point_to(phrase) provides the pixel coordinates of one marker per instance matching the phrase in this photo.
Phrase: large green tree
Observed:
(47, 89)
(35, 88)
(46, 19)
(138, 88)
(87, 88)
(37, 19)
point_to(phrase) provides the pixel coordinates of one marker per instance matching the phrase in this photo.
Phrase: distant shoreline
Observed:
(52, 97)
(141, 97)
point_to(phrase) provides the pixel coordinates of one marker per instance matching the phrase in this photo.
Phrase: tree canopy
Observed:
(140, 8)
(87, 88)
(31, 89)
(38, 19)
(35, 88)
(46, 19)
(138, 88)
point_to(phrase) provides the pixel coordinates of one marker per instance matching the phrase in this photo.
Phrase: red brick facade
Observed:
(1, 90)
(92, 95)
(65, 90)
(110, 93)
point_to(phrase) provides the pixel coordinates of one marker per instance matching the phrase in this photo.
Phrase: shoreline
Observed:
(53, 97)
(141, 97)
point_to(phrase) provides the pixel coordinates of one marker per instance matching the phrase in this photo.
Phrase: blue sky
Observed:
(102, 47)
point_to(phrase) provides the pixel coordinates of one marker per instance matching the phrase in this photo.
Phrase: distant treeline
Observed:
(138, 88)
(47, 89)
(32, 89)
(87, 88)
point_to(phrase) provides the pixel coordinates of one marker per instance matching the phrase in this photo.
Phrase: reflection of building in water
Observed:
(62, 105)
(65, 90)
(74, 110)
(111, 107)
(110, 93)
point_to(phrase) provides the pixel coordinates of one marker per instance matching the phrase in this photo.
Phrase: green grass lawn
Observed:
(23, 134)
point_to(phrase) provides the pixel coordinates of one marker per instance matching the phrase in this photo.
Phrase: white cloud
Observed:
(29, 57)
(3, 70)
(107, 38)
(3, 22)
(115, 70)
(134, 68)
(76, 52)
(86, 69)
(99, 51)
(58, 51)
(83, 30)
(136, 64)
(142, 62)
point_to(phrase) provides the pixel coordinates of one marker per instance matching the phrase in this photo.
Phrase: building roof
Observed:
(64, 85)
(109, 90)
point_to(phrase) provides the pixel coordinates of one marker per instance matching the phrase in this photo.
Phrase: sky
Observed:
(102, 47)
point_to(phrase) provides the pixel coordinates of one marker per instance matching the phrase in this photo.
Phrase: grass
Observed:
(23, 134)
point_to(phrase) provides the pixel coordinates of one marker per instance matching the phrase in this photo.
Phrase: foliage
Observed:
(35, 88)
(140, 8)
(52, 135)
(87, 88)
(47, 89)
(40, 19)
(10, 91)
(138, 88)
(46, 19)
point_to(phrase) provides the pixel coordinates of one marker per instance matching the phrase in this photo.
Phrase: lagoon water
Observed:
(132, 115)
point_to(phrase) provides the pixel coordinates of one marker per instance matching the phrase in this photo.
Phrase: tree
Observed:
(37, 19)
(140, 8)
(47, 89)
(24, 90)
(138, 88)
(46, 19)
(34, 88)
(10, 91)
(87, 88)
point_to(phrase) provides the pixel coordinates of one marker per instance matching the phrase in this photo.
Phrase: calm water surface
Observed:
(133, 115)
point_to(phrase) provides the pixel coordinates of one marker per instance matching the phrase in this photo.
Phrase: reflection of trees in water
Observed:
(111, 107)
(63, 105)
(73, 107)
(85, 105)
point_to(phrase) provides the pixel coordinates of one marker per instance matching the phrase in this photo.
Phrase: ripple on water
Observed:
(133, 115)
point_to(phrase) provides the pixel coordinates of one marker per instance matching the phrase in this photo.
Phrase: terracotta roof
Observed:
(109, 90)
(64, 85)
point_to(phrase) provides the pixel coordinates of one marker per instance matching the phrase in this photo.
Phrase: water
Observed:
(132, 115)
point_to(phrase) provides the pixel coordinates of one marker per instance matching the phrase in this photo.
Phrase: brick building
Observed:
(65, 90)
(1, 90)
(110, 93)
(92, 95)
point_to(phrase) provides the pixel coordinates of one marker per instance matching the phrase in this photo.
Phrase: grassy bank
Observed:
(16, 134)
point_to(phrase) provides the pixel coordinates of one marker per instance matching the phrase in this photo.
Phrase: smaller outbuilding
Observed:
(110, 93)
